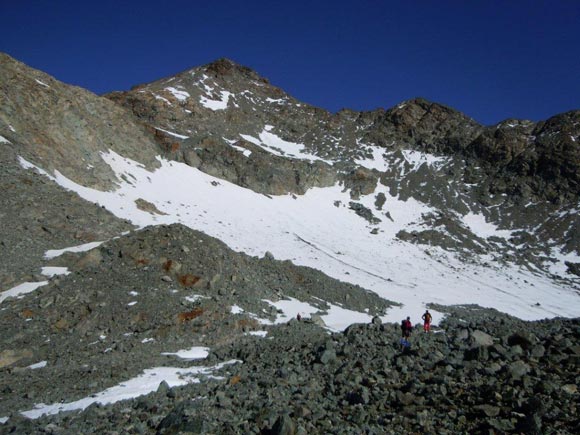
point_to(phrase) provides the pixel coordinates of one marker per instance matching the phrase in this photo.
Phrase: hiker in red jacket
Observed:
(406, 327)
(427, 321)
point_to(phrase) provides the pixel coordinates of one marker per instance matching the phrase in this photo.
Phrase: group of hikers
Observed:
(407, 327)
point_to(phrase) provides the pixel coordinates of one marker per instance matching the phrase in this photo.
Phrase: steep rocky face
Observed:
(65, 128)
(425, 125)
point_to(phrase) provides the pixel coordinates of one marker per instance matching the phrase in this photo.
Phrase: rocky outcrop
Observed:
(66, 128)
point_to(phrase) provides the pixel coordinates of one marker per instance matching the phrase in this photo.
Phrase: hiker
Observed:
(406, 327)
(427, 321)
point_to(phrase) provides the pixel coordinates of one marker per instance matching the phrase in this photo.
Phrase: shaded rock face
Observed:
(65, 128)
(260, 171)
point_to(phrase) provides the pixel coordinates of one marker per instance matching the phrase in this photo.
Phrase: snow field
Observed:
(311, 231)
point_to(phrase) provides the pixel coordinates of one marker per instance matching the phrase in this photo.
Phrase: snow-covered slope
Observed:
(320, 230)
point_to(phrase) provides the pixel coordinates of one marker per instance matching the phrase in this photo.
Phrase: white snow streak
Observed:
(21, 289)
(177, 135)
(144, 384)
(42, 83)
(53, 253)
(54, 271)
(38, 365)
(279, 147)
(195, 352)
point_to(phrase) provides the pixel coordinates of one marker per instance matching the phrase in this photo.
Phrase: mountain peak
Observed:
(225, 67)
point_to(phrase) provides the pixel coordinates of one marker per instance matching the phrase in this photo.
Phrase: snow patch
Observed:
(377, 161)
(236, 309)
(54, 271)
(246, 152)
(195, 352)
(4, 140)
(417, 158)
(258, 333)
(141, 385)
(179, 94)
(42, 83)
(195, 298)
(216, 104)
(53, 253)
(291, 308)
(479, 226)
(39, 365)
(279, 147)
(296, 228)
(21, 289)
(559, 267)
(165, 100)
(276, 101)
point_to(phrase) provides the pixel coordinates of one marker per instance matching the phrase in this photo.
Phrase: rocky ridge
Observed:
(517, 157)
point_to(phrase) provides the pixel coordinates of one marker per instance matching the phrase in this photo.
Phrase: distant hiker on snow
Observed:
(427, 321)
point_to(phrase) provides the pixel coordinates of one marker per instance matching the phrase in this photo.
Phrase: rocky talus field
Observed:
(480, 372)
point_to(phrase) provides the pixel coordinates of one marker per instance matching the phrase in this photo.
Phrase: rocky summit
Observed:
(207, 254)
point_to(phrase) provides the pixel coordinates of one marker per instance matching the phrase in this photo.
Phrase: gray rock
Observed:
(480, 338)
(317, 320)
(518, 369)
(488, 410)
(284, 426)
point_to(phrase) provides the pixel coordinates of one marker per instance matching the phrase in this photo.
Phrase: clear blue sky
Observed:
(489, 59)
